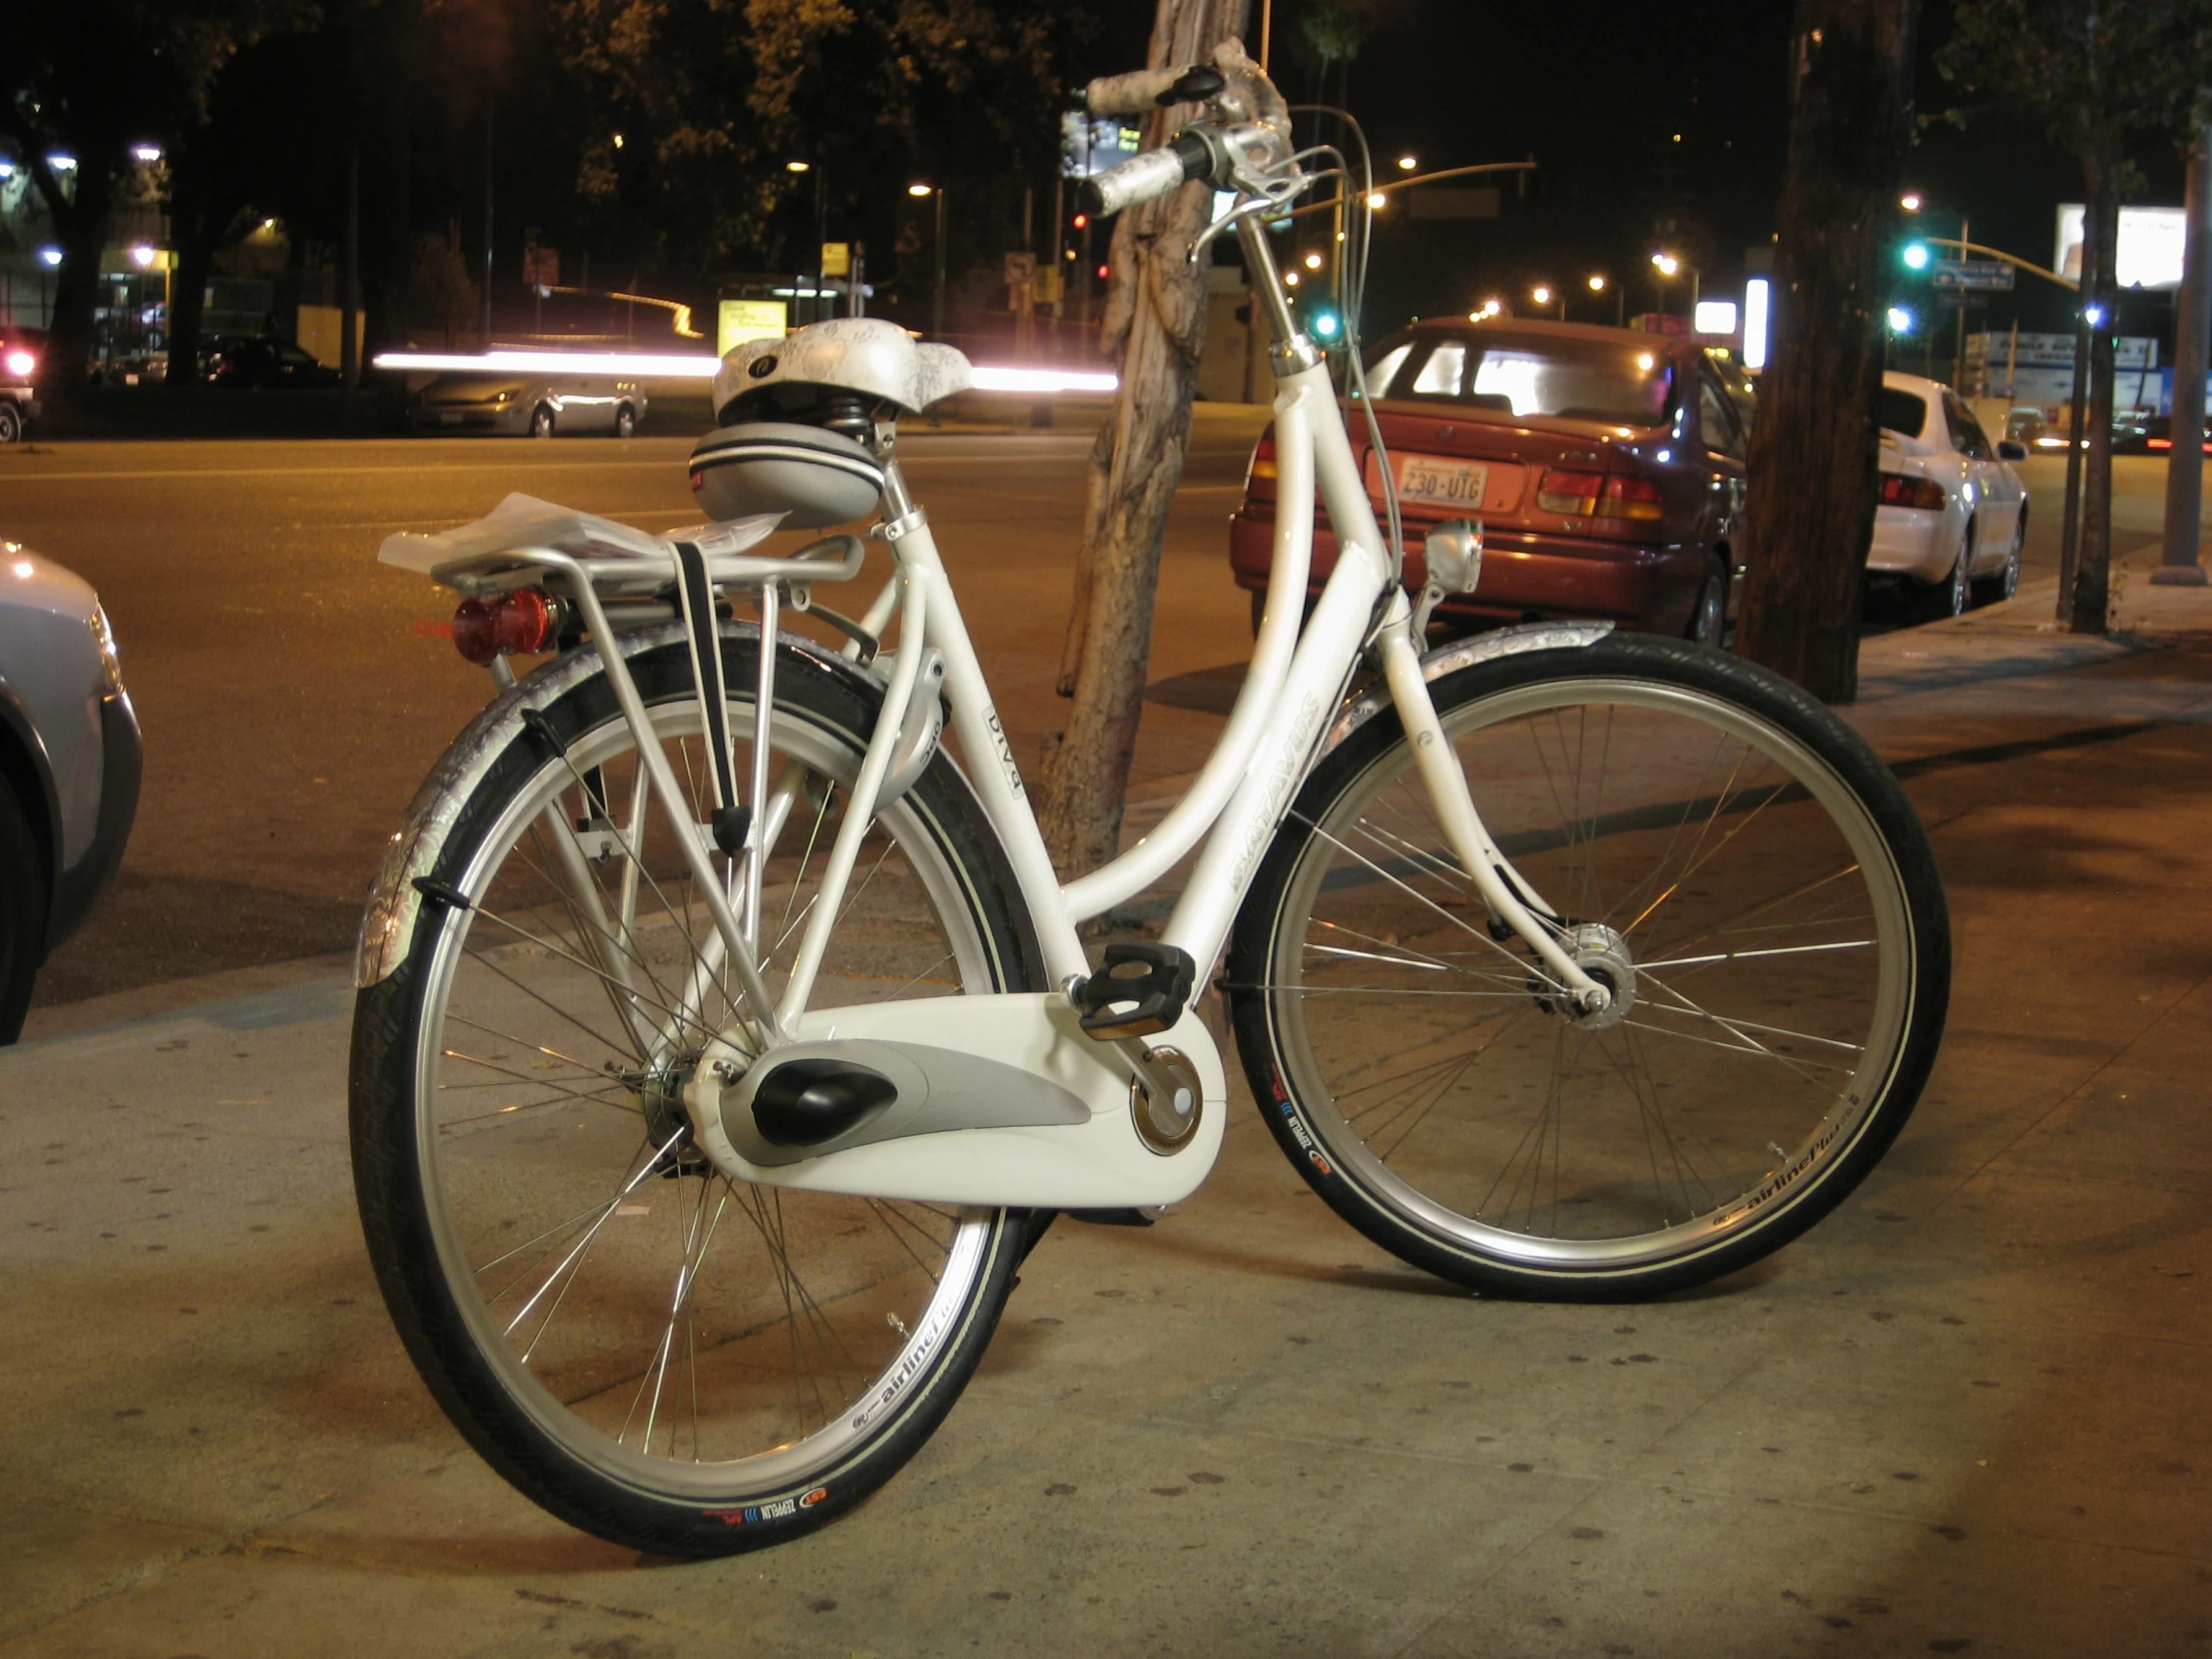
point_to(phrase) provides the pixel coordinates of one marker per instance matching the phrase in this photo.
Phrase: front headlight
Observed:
(103, 637)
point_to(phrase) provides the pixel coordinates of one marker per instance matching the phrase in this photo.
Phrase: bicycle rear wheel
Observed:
(1723, 850)
(671, 1360)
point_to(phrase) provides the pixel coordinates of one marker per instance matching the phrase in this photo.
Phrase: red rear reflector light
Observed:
(1897, 491)
(1575, 493)
(1627, 497)
(2161, 443)
(1262, 461)
(527, 621)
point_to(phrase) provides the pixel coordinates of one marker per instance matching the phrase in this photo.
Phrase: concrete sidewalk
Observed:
(1966, 1414)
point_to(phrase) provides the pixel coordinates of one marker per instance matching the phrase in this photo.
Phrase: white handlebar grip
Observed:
(1136, 93)
(1139, 178)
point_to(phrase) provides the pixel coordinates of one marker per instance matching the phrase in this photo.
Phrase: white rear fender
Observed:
(1092, 1157)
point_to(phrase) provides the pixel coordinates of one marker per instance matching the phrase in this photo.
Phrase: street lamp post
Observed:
(1668, 267)
(936, 293)
(1599, 283)
(1543, 293)
(821, 234)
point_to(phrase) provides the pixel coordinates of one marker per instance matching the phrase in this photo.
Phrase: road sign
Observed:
(1022, 269)
(1992, 274)
(837, 258)
(541, 265)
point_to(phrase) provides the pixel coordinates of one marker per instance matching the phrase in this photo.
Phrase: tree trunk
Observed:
(2184, 530)
(1156, 321)
(1810, 511)
(81, 226)
(188, 289)
(2091, 596)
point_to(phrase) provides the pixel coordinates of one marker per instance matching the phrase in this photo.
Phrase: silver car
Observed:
(70, 759)
(535, 405)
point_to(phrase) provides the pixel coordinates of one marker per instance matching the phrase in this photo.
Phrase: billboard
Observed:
(737, 320)
(2149, 255)
(1091, 144)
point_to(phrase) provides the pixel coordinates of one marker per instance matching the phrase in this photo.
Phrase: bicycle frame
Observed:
(1295, 688)
(1295, 683)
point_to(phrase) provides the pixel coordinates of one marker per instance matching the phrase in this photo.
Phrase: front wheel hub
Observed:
(1604, 954)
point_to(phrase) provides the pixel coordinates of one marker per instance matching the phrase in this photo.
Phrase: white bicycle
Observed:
(721, 1047)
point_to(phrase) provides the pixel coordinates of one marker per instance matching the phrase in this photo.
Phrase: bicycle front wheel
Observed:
(1720, 848)
(675, 1360)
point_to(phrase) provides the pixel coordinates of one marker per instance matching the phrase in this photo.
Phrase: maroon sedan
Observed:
(1605, 465)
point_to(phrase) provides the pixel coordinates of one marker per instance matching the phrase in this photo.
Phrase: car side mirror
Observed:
(2010, 451)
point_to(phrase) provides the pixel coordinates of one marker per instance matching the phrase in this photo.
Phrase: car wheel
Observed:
(23, 901)
(541, 423)
(1709, 615)
(1990, 590)
(626, 421)
(1951, 596)
(11, 422)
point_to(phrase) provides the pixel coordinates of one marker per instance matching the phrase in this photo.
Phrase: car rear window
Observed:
(1574, 379)
(1903, 412)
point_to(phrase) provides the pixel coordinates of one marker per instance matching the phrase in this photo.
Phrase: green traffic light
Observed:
(1915, 256)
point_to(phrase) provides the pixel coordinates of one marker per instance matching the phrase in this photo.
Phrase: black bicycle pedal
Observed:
(1140, 988)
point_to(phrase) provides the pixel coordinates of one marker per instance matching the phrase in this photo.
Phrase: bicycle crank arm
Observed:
(994, 1100)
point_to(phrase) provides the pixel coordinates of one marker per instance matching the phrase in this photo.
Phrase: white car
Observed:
(1951, 514)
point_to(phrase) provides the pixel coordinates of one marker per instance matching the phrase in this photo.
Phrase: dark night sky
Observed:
(1598, 90)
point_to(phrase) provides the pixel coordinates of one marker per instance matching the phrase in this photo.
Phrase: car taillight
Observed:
(527, 621)
(1627, 497)
(20, 364)
(1575, 493)
(1897, 491)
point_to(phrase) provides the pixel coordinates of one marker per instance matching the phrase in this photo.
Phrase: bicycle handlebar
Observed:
(1130, 93)
(1141, 178)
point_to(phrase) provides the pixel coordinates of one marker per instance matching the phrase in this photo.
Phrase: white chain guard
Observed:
(1100, 1163)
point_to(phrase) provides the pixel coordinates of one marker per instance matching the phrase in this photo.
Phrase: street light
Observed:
(936, 293)
(1313, 262)
(1910, 201)
(1406, 164)
(1375, 199)
(1666, 265)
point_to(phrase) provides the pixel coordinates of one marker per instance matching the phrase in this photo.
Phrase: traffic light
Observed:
(1327, 324)
(1915, 256)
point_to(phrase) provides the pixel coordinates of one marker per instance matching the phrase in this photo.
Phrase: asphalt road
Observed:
(291, 707)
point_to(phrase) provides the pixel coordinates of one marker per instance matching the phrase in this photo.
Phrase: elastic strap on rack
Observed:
(731, 818)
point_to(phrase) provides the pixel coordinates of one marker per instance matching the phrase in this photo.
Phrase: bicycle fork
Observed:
(1510, 897)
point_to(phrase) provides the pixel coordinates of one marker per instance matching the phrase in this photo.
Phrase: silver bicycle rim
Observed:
(1431, 1071)
(550, 1260)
